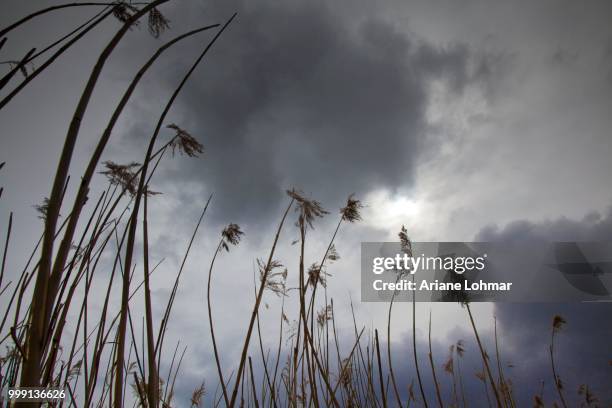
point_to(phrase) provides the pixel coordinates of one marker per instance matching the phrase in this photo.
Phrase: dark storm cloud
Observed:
(584, 350)
(299, 95)
(592, 227)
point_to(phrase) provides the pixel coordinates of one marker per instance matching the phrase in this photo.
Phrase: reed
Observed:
(557, 324)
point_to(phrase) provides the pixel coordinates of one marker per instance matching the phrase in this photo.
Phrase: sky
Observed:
(463, 120)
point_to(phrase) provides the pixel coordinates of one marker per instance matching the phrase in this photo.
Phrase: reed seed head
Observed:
(317, 276)
(460, 348)
(75, 370)
(537, 402)
(231, 235)
(42, 209)
(558, 323)
(351, 212)
(123, 175)
(124, 12)
(448, 365)
(560, 384)
(324, 315)
(308, 209)
(184, 142)
(405, 243)
(157, 22)
(275, 281)
(346, 376)
(332, 254)
(589, 398)
(197, 395)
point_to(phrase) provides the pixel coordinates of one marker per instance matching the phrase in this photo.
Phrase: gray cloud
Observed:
(298, 95)
(582, 348)
(583, 351)
(592, 227)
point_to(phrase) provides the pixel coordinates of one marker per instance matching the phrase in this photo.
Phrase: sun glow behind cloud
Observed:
(388, 210)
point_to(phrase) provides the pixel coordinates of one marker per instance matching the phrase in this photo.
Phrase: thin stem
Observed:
(253, 383)
(210, 322)
(484, 357)
(393, 382)
(255, 311)
(380, 373)
(433, 368)
(153, 382)
(554, 370)
(414, 349)
(6, 245)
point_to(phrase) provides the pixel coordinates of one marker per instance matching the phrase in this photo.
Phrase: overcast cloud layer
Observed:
(301, 95)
